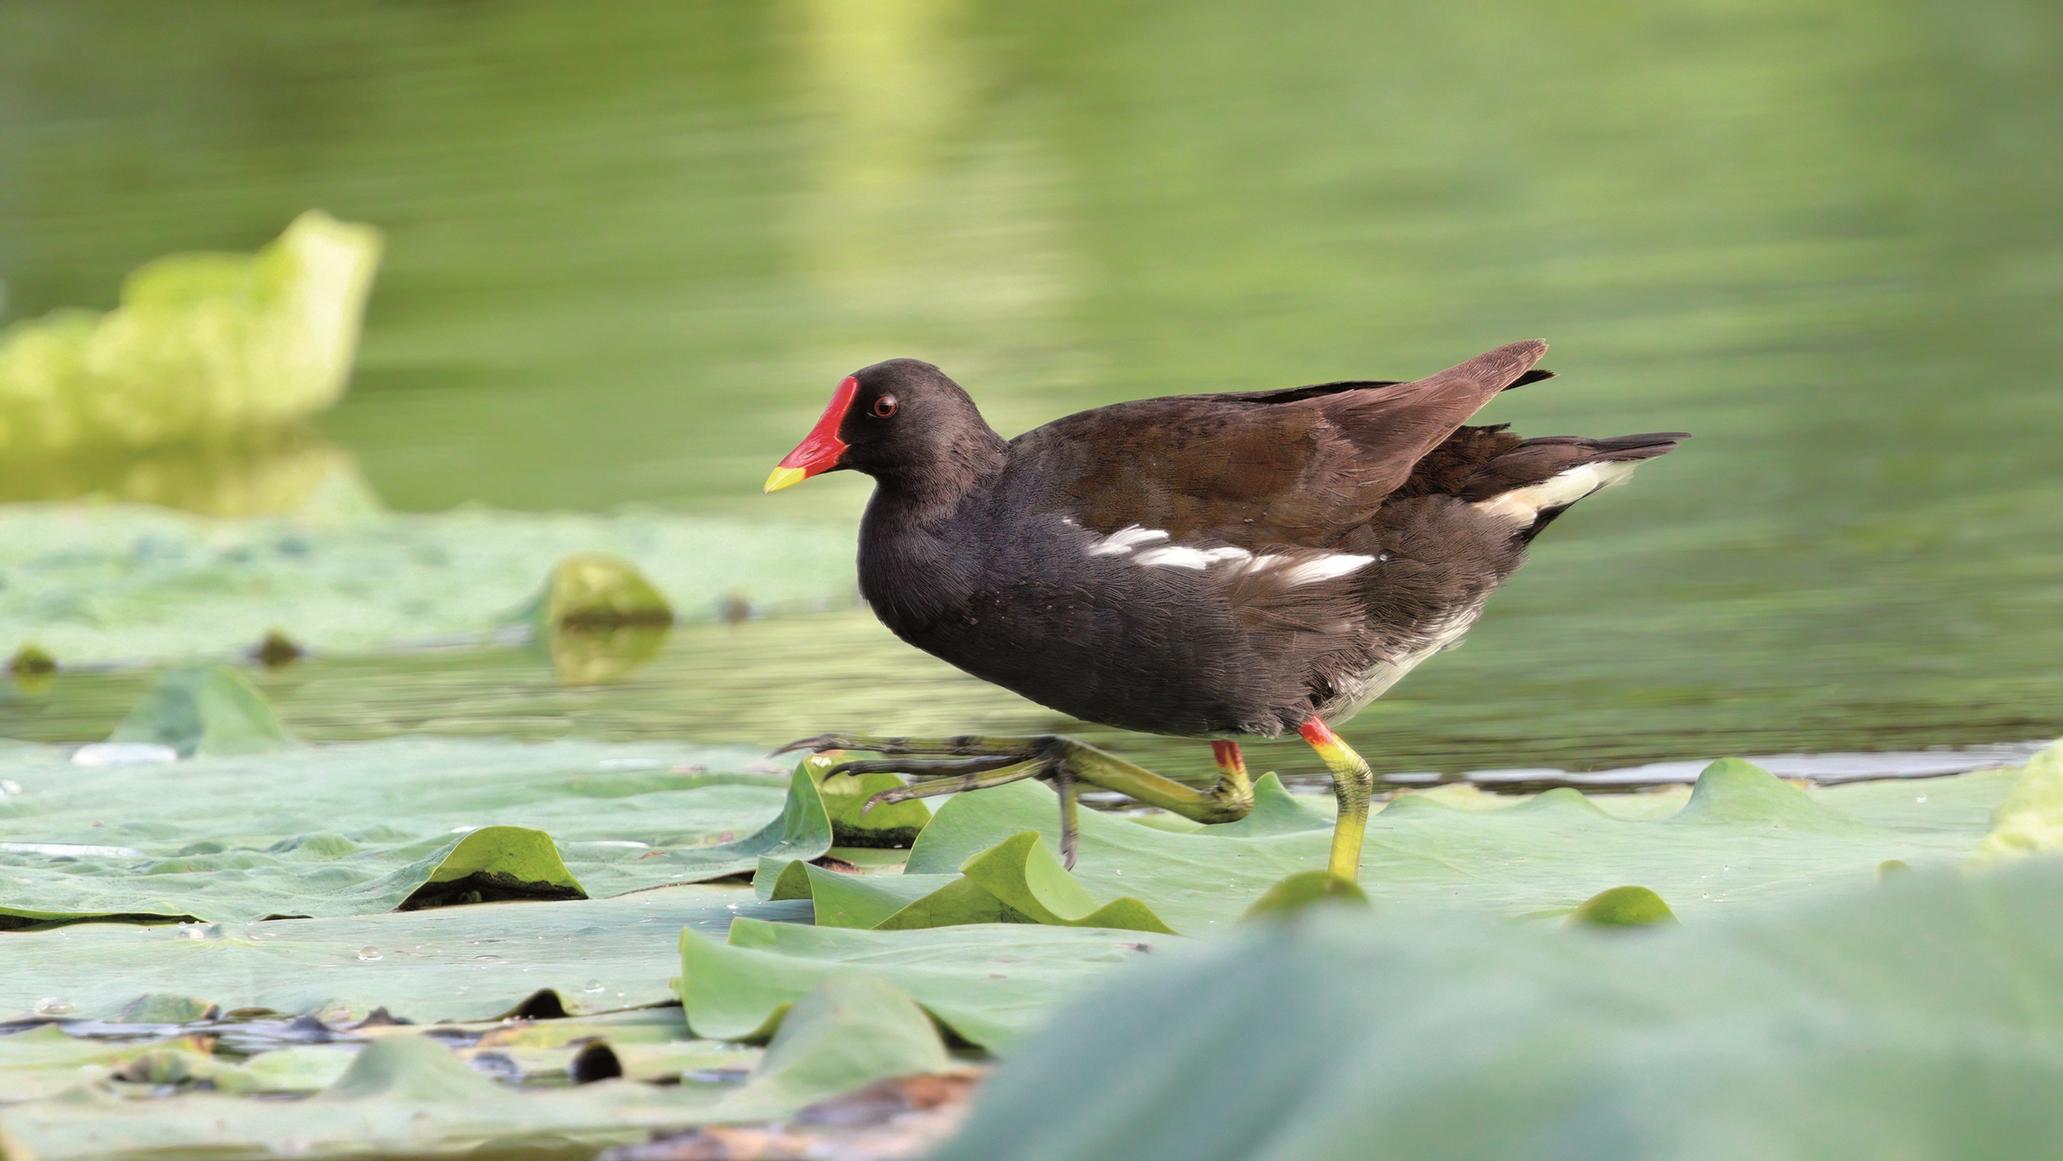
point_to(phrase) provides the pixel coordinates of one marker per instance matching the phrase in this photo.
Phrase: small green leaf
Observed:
(166, 1008)
(893, 825)
(1623, 907)
(1305, 889)
(2030, 820)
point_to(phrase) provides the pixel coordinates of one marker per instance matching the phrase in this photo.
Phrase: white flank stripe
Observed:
(1177, 556)
(1125, 539)
(1523, 505)
(1295, 569)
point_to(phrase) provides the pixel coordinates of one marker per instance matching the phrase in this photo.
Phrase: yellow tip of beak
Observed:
(785, 478)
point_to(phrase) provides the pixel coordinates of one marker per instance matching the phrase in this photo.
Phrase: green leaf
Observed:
(1913, 1019)
(989, 983)
(407, 1093)
(492, 863)
(1623, 907)
(848, 1030)
(166, 1008)
(2030, 820)
(1025, 875)
(593, 590)
(47, 1060)
(206, 710)
(453, 963)
(1304, 890)
(846, 797)
(356, 581)
(202, 349)
(1742, 836)
(364, 827)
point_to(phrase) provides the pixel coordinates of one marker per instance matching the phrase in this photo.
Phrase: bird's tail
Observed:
(1536, 481)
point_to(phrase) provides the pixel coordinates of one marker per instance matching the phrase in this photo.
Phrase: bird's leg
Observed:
(1231, 767)
(996, 761)
(1353, 784)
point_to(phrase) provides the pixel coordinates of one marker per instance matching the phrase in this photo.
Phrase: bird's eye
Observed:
(884, 406)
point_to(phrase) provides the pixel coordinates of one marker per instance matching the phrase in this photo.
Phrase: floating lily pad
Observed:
(411, 1094)
(989, 983)
(141, 583)
(366, 827)
(1916, 1018)
(1741, 836)
(451, 963)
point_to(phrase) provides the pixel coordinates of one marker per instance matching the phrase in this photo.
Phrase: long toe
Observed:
(926, 767)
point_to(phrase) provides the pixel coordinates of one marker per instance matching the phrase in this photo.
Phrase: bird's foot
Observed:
(975, 762)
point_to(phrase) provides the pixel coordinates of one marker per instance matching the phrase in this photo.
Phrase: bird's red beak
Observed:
(820, 449)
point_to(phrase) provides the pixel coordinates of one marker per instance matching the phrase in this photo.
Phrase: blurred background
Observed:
(630, 248)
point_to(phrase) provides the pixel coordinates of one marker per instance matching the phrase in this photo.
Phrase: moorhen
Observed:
(1218, 566)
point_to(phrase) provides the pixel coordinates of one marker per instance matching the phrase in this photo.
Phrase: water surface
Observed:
(632, 247)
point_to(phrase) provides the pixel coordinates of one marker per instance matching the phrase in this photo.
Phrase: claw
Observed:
(1070, 823)
(813, 744)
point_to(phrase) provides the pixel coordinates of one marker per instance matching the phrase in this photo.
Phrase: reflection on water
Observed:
(263, 477)
(767, 682)
(632, 247)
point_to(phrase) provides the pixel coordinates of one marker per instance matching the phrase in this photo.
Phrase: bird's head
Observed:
(897, 418)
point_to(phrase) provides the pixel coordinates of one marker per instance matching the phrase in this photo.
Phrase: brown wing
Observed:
(1263, 469)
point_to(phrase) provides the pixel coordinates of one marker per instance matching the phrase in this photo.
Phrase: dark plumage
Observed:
(1221, 565)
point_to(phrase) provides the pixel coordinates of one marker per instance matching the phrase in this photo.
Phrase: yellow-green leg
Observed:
(1353, 784)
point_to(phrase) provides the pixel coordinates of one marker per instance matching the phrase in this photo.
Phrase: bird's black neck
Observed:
(917, 563)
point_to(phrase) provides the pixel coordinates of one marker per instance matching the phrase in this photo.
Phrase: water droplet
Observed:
(592, 986)
(200, 930)
(1919, 798)
(55, 1006)
(369, 952)
(488, 959)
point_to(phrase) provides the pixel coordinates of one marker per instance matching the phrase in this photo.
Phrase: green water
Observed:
(632, 247)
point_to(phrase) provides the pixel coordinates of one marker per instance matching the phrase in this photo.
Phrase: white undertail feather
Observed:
(1327, 567)
(1522, 506)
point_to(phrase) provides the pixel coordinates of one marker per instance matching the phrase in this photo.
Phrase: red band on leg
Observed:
(1318, 733)
(1228, 756)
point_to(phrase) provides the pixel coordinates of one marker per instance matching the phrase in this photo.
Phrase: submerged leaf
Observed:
(206, 710)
